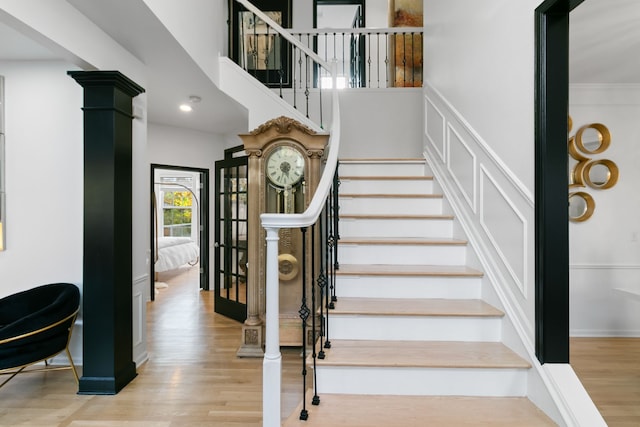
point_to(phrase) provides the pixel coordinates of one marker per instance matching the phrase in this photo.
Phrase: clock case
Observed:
(263, 197)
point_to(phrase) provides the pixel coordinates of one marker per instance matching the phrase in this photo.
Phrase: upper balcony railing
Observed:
(368, 57)
(296, 63)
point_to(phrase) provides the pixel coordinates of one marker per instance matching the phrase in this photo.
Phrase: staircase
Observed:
(413, 344)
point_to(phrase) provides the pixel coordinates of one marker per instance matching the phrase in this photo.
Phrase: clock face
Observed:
(285, 166)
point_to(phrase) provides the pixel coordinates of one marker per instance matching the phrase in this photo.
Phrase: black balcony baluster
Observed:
(306, 91)
(322, 278)
(304, 315)
(328, 269)
(404, 60)
(314, 355)
(386, 58)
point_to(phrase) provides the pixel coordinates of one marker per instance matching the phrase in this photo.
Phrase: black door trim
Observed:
(551, 180)
(204, 222)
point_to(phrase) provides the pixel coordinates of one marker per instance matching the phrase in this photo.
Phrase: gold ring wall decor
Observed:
(598, 174)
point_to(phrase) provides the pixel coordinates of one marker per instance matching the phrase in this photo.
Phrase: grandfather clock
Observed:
(284, 170)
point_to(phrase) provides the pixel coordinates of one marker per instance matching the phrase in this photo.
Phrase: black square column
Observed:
(108, 363)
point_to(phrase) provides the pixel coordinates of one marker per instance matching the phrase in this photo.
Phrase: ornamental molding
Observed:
(283, 125)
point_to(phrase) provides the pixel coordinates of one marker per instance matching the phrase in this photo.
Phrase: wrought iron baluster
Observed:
(322, 278)
(369, 59)
(329, 268)
(386, 58)
(300, 64)
(304, 315)
(421, 60)
(320, 100)
(266, 56)
(404, 60)
(280, 69)
(336, 221)
(413, 60)
(331, 244)
(316, 398)
(378, 57)
(295, 52)
(306, 91)
(343, 49)
(254, 48)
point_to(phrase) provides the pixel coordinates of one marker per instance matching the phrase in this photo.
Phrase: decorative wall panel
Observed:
(434, 125)
(462, 166)
(505, 226)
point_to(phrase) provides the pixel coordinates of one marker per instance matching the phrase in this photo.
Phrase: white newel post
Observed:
(272, 363)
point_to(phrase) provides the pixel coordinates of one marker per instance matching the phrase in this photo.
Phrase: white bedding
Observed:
(174, 252)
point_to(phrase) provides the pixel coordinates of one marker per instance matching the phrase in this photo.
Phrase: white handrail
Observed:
(368, 30)
(272, 363)
(284, 33)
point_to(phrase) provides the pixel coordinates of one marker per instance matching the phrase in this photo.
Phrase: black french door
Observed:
(230, 267)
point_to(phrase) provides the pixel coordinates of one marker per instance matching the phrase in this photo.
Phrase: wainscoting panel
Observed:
(462, 166)
(139, 320)
(492, 207)
(434, 126)
(505, 227)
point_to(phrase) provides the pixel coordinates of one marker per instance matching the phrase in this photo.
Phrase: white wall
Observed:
(44, 165)
(199, 26)
(605, 250)
(384, 123)
(56, 24)
(480, 57)
(175, 146)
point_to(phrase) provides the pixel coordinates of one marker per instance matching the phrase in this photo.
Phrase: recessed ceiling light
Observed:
(188, 106)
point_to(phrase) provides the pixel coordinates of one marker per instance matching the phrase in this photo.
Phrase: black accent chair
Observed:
(36, 325)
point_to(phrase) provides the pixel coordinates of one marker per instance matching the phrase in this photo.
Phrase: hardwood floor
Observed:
(609, 369)
(193, 377)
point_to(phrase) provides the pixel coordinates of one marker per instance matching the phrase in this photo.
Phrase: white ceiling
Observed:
(605, 42)
(604, 45)
(173, 76)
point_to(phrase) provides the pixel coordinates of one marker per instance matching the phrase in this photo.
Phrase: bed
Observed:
(173, 252)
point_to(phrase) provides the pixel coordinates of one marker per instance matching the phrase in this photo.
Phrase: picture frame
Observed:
(256, 47)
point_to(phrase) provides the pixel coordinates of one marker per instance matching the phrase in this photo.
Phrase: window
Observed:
(177, 205)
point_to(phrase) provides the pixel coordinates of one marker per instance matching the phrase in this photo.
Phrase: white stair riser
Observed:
(381, 186)
(402, 254)
(382, 169)
(408, 287)
(350, 227)
(414, 328)
(397, 206)
(422, 381)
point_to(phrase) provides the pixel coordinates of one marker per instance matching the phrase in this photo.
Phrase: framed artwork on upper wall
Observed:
(256, 47)
(407, 59)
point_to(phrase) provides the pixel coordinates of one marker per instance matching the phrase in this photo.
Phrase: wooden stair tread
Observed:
(422, 354)
(389, 196)
(422, 241)
(387, 178)
(407, 270)
(415, 307)
(345, 410)
(393, 216)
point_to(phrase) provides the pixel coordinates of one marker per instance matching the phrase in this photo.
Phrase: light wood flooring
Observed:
(193, 377)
